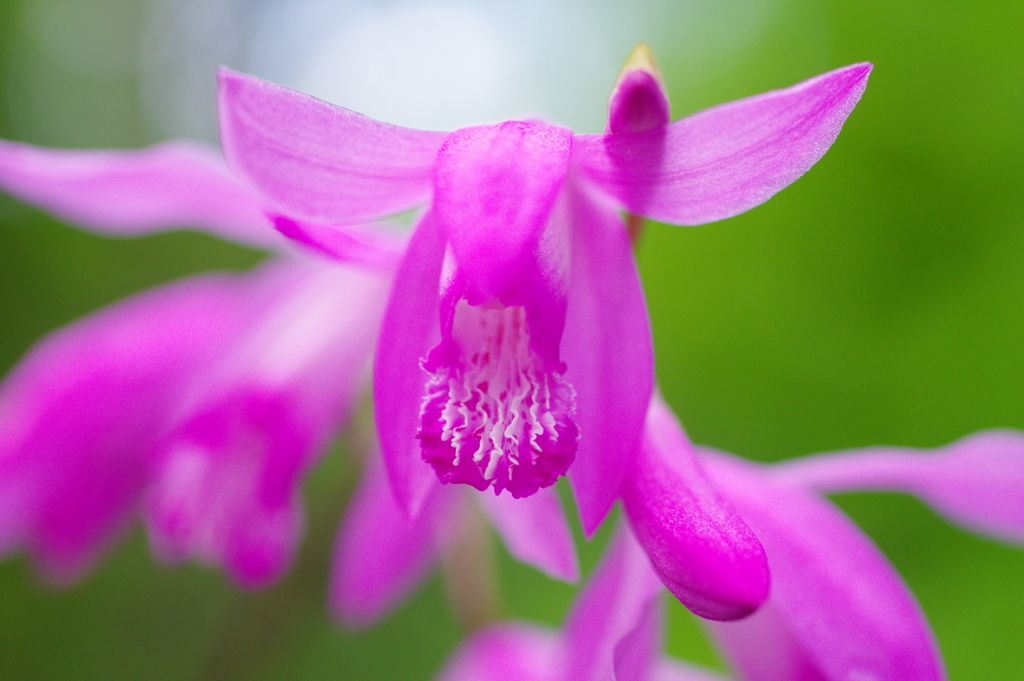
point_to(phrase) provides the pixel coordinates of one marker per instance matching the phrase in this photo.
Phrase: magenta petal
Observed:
(322, 162)
(611, 609)
(226, 483)
(505, 652)
(409, 330)
(608, 350)
(838, 609)
(168, 186)
(638, 103)
(80, 414)
(494, 189)
(703, 552)
(379, 554)
(977, 481)
(535, 531)
(673, 670)
(727, 159)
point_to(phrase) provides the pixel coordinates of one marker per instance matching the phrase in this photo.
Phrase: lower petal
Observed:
(703, 552)
(535, 531)
(838, 610)
(505, 652)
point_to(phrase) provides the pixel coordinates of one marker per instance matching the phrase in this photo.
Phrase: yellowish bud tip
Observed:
(641, 58)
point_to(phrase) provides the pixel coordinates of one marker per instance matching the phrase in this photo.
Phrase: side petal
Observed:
(318, 161)
(838, 609)
(227, 480)
(125, 193)
(80, 415)
(607, 349)
(410, 328)
(535, 531)
(703, 552)
(725, 160)
(379, 554)
(377, 246)
(977, 482)
(508, 651)
(611, 616)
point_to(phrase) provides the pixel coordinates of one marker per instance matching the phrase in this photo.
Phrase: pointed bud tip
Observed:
(641, 58)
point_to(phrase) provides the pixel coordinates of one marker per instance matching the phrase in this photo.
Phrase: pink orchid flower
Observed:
(838, 610)
(516, 342)
(202, 402)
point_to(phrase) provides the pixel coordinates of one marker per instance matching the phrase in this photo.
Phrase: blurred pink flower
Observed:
(202, 402)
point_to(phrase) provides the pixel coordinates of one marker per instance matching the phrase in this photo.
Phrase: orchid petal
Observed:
(318, 161)
(125, 193)
(376, 246)
(838, 609)
(703, 552)
(612, 608)
(410, 328)
(379, 554)
(977, 482)
(535, 531)
(608, 351)
(674, 670)
(504, 652)
(635, 655)
(727, 159)
(494, 189)
(81, 412)
(227, 479)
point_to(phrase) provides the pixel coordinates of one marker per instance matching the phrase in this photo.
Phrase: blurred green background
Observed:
(879, 300)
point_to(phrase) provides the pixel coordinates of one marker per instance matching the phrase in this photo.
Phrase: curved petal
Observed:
(494, 189)
(838, 609)
(80, 414)
(379, 554)
(378, 246)
(318, 161)
(227, 480)
(607, 349)
(977, 482)
(535, 531)
(504, 652)
(410, 328)
(725, 160)
(613, 616)
(703, 552)
(124, 193)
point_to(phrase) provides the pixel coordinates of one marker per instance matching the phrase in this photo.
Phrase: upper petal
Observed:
(704, 553)
(638, 101)
(494, 189)
(410, 328)
(838, 610)
(535, 531)
(977, 481)
(80, 414)
(727, 159)
(167, 186)
(607, 349)
(318, 161)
